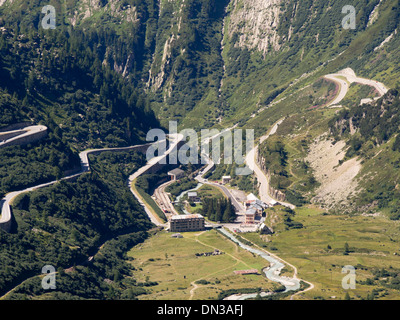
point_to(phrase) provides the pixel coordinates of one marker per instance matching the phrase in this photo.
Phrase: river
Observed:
(272, 272)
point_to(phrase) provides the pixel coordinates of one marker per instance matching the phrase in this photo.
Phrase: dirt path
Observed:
(195, 286)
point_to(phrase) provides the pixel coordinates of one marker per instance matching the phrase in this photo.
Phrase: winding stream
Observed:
(272, 272)
(178, 198)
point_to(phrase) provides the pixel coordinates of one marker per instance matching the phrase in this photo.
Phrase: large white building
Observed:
(187, 223)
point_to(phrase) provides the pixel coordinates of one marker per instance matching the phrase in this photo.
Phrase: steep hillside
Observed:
(112, 70)
(372, 135)
(100, 74)
(59, 78)
(203, 62)
(344, 159)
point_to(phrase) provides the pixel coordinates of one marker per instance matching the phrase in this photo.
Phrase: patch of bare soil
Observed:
(338, 181)
(238, 194)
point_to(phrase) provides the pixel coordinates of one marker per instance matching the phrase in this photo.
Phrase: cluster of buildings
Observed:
(195, 222)
(255, 208)
(189, 222)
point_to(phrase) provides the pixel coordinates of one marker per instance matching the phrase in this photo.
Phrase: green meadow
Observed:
(172, 264)
(318, 251)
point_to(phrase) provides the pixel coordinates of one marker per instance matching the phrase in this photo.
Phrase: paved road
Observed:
(261, 177)
(236, 204)
(251, 162)
(351, 77)
(343, 88)
(163, 200)
(20, 134)
(175, 140)
(210, 165)
(85, 167)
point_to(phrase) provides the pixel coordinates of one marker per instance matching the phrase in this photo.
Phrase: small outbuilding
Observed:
(176, 235)
(193, 196)
(176, 174)
(226, 179)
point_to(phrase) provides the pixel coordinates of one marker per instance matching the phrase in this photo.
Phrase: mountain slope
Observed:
(112, 70)
(203, 62)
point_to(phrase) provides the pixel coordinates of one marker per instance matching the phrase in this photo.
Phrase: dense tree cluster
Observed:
(107, 276)
(180, 186)
(376, 123)
(10, 110)
(219, 209)
(275, 159)
(64, 224)
(61, 78)
(32, 164)
(62, 74)
(149, 182)
(288, 219)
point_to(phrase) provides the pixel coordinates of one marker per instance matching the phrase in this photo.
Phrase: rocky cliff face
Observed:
(256, 23)
(161, 58)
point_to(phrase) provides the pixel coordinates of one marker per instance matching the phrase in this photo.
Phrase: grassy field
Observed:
(208, 191)
(205, 191)
(172, 263)
(318, 249)
(197, 207)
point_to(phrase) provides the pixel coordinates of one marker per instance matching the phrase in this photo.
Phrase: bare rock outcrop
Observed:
(256, 23)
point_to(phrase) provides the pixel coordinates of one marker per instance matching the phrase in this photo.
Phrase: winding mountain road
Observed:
(22, 135)
(5, 203)
(351, 77)
(210, 165)
(175, 139)
(344, 85)
(19, 136)
(163, 200)
(252, 164)
(261, 177)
